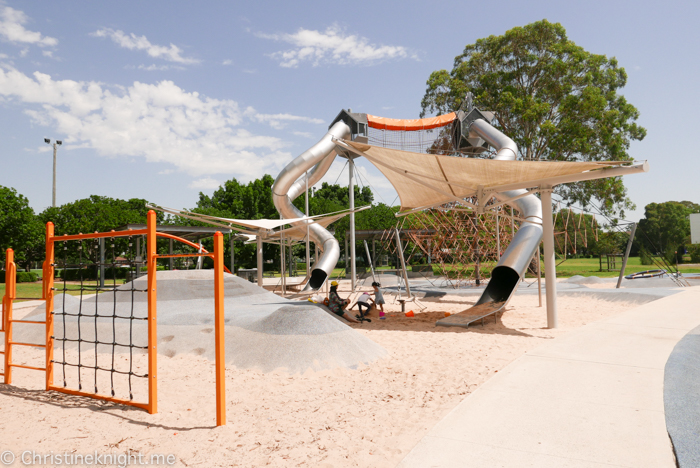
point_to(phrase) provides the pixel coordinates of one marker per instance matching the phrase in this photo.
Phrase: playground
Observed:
(231, 373)
(372, 415)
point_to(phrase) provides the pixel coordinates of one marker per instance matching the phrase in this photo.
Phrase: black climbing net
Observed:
(102, 318)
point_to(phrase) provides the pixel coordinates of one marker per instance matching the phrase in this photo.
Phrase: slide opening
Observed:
(318, 277)
(503, 281)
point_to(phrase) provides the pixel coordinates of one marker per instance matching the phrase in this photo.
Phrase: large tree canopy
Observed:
(665, 228)
(553, 98)
(20, 229)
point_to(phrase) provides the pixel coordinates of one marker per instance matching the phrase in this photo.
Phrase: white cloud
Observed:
(304, 134)
(159, 122)
(134, 42)
(206, 183)
(160, 67)
(227, 62)
(12, 29)
(47, 53)
(333, 46)
(279, 121)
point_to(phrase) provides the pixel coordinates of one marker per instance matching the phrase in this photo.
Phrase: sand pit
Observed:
(368, 416)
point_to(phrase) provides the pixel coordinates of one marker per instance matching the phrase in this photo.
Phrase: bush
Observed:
(645, 257)
(694, 251)
(90, 274)
(22, 277)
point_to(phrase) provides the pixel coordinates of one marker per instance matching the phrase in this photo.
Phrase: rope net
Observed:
(100, 330)
(433, 141)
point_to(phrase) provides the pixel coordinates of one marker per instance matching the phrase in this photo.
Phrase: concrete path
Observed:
(593, 397)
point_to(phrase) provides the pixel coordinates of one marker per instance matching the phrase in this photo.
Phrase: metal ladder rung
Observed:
(28, 367)
(28, 321)
(13, 343)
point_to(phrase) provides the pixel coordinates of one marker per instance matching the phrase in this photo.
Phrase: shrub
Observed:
(22, 277)
(90, 274)
(645, 257)
(694, 251)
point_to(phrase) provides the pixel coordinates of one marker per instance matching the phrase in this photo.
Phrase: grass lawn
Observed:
(33, 290)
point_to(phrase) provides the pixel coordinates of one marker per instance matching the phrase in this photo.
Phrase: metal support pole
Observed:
(627, 254)
(139, 259)
(54, 176)
(399, 248)
(498, 235)
(539, 276)
(260, 258)
(282, 264)
(171, 261)
(152, 295)
(231, 237)
(369, 260)
(219, 341)
(549, 259)
(351, 189)
(308, 246)
(102, 262)
(49, 294)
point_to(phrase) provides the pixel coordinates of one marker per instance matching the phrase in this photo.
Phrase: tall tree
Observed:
(553, 98)
(665, 228)
(20, 229)
(96, 214)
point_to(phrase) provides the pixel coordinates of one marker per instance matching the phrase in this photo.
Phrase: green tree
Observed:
(665, 228)
(20, 229)
(96, 214)
(553, 98)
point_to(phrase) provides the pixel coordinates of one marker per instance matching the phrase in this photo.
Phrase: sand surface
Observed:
(370, 416)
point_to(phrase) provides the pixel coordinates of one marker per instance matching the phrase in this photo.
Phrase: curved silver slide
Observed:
(291, 183)
(512, 266)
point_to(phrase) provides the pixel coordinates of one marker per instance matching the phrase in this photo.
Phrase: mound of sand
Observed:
(262, 330)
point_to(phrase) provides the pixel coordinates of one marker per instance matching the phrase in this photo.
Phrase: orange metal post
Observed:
(219, 328)
(10, 293)
(48, 294)
(152, 323)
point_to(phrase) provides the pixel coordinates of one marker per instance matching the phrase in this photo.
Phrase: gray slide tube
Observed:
(291, 183)
(512, 266)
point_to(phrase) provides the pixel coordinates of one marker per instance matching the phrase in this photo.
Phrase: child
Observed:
(379, 300)
(363, 301)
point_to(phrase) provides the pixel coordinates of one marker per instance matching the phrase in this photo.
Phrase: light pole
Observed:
(55, 145)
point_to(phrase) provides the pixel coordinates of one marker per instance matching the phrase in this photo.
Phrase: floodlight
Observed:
(59, 142)
(46, 140)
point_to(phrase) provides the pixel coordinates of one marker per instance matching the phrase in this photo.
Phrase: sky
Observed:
(164, 100)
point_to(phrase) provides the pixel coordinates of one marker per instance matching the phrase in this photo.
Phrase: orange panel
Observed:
(383, 123)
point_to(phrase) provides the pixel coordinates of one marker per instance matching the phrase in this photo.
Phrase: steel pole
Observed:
(550, 268)
(627, 254)
(308, 246)
(54, 175)
(351, 189)
(260, 258)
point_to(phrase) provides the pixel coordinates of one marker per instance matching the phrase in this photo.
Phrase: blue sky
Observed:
(161, 100)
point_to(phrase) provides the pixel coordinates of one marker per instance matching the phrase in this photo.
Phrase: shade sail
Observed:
(424, 180)
(252, 226)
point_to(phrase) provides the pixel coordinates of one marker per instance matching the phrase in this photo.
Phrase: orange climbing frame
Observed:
(6, 324)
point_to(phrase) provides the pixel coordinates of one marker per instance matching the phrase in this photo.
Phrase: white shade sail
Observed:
(424, 180)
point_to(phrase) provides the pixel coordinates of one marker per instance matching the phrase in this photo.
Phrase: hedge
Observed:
(22, 277)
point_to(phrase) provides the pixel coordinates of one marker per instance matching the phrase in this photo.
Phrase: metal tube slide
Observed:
(513, 264)
(291, 183)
